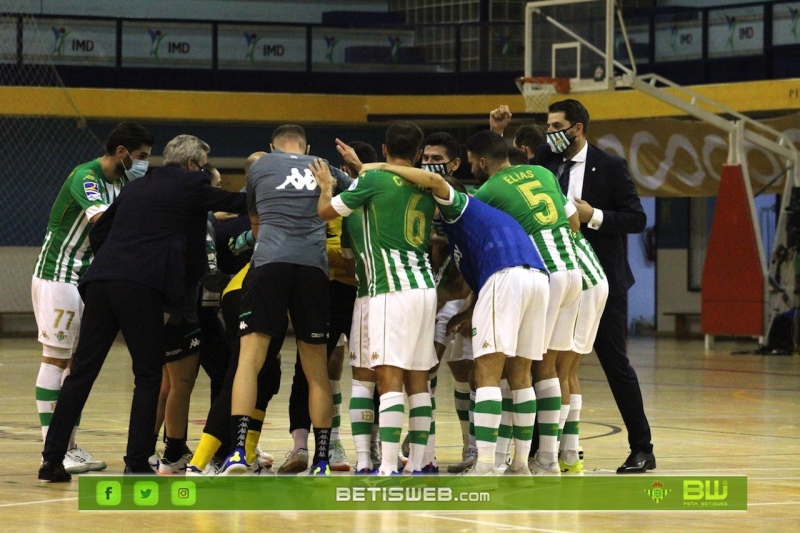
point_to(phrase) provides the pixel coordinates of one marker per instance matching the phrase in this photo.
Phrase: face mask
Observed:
(438, 168)
(558, 141)
(137, 170)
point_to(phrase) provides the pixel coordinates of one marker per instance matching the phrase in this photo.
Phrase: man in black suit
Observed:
(609, 208)
(146, 246)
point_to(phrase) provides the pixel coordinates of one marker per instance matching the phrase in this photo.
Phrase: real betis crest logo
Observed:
(657, 492)
(61, 335)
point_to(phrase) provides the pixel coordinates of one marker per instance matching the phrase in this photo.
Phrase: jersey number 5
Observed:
(414, 222)
(543, 207)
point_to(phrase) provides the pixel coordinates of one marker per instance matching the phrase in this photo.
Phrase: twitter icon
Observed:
(145, 493)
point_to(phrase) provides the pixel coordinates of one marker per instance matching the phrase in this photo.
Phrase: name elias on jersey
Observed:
(299, 181)
(517, 176)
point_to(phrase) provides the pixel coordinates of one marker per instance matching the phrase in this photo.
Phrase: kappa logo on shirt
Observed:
(299, 181)
(91, 190)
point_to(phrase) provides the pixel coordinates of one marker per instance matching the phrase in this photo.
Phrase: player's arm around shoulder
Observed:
(429, 180)
(327, 208)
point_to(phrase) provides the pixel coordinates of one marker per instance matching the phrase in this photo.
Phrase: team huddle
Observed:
(389, 266)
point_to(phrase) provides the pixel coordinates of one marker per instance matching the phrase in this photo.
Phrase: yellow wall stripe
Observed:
(229, 107)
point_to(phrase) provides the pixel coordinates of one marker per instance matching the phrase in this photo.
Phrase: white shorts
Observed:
(58, 308)
(401, 326)
(448, 311)
(590, 310)
(460, 349)
(509, 316)
(562, 309)
(359, 334)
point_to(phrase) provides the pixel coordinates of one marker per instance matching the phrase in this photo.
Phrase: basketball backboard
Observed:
(571, 39)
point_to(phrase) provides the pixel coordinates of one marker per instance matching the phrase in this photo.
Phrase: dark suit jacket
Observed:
(154, 232)
(607, 186)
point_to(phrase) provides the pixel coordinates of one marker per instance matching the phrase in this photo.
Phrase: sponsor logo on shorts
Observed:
(486, 344)
(61, 335)
(352, 356)
(375, 356)
(318, 335)
(44, 335)
(174, 352)
(91, 190)
(242, 325)
(195, 342)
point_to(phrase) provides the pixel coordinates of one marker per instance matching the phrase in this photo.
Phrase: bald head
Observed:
(255, 156)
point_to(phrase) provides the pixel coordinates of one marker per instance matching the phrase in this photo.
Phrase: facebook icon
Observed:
(108, 493)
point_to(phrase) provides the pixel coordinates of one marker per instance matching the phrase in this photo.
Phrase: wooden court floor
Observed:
(711, 412)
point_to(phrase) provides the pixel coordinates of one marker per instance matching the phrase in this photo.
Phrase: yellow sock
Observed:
(206, 449)
(253, 435)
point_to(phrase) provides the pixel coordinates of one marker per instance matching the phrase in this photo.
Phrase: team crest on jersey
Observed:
(91, 190)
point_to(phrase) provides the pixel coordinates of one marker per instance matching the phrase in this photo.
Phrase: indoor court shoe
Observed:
(155, 461)
(165, 468)
(479, 469)
(53, 473)
(209, 470)
(87, 458)
(430, 469)
(337, 457)
(470, 458)
(570, 463)
(364, 472)
(638, 463)
(296, 462)
(264, 458)
(538, 468)
(234, 464)
(74, 464)
(320, 468)
(142, 470)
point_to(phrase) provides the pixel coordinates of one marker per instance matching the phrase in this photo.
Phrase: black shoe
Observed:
(638, 463)
(53, 473)
(141, 470)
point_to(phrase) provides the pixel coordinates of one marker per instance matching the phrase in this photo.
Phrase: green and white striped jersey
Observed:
(353, 247)
(66, 254)
(396, 219)
(531, 195)
(592, 272)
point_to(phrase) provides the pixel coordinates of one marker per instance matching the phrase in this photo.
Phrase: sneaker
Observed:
(479, 469)
(264, 458)
(521, 471)
(365, 472)
(470, 458)
(209, 470)
(337, 457)
(165, 468)
(234, 464)
(53, 473)
(430, 469)
(540, 469)
(88, 459)
(133, 470)
(74, 464)
(155, 461)
(570, 463)
(296, 461)
(321, 468)
(257, 468)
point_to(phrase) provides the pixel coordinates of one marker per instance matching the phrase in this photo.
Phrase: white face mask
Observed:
(558, 141)
(137, 170)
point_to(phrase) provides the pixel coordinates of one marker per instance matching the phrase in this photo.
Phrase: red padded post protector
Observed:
(733, 281)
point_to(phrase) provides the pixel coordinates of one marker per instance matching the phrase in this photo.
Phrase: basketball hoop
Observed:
(537, 92)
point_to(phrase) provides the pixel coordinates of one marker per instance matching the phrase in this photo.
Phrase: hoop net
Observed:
(538, 91)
